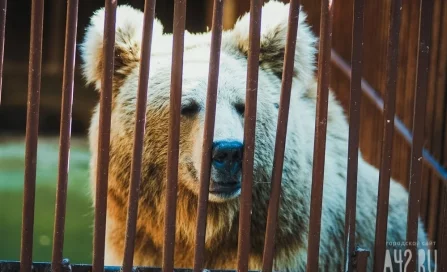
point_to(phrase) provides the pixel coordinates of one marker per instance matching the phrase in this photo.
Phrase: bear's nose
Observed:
(227, 157)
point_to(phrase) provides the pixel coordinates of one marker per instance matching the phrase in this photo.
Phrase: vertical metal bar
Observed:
(420, 99)
(441, 244)
(65, 133)
(140, 124)
(102, 173)
(249, 135)
(387, 139)
(377, 101)
(320, 134)
(361, 260)
(3, 4)
(32, 130)
(281, 132)
(174, 134)
(208, 133)
(354, 126)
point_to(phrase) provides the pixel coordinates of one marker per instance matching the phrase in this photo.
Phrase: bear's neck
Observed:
(221, 231)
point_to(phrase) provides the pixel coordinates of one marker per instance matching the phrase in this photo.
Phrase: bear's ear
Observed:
(129, 29)
(274, 23)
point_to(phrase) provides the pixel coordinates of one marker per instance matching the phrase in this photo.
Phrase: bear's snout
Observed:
(226, 167)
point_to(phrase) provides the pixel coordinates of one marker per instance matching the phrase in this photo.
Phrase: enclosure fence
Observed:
(355, 257)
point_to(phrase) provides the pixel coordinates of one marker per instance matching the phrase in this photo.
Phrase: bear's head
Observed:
(227, 148)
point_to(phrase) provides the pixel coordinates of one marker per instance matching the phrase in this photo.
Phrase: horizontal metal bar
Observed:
(13, 266)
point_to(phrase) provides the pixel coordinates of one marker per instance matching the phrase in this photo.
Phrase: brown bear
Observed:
(223, 209)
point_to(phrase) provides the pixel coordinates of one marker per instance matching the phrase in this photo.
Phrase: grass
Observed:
(79, 218)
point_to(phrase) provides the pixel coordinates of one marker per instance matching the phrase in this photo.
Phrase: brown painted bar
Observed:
(208, 133)
(65, 133)
(361, 260)
(324, 61)
(354, 127)
(249, 135)
(281, 132)
(420, 101)
(102, 172)
(32, 131)
(174, 133)
(3, 5)
(387, 139)
(441, 245)
(140, 124)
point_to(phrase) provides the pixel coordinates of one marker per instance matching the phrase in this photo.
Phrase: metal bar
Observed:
(174, 134)
(354, 127)
(32, 131)
(208, 133)
(387, 140)
(420, 99)
(441, 243)
(374, 97)
(320, 135)
(45, 267)
(65, 133)
(3, 5)
(102, 172)
(281, 132)
(140, 124)
(244, 243)
(361, 260)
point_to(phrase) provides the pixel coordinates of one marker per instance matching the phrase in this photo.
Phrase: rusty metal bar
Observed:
(140, 124)
(387, 140)
(281, 132)
(3, 5)
(208, 133)
(374, 97)
(65, 133)
(354, 127)
(243, 250)
(174, 134)
(320, 135)
(441, 245)
(420, 101)
(32, 131)
(102, 172)
(361, 260)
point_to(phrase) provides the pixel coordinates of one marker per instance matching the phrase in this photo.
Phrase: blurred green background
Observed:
(79, 220)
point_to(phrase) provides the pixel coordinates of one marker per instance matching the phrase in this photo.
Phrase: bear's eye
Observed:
(240, 108)
(189, 109)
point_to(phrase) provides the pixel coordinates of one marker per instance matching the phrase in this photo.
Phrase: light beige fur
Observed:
(222, 221)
